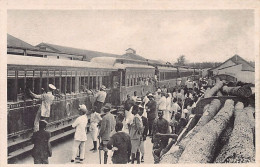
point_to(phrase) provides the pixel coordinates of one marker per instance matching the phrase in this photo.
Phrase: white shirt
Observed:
(47, 99)
(168, 103)
(101, 96)
(95, 118)
(80, 124)
(175, 107)
(134, 98)
(162, 103)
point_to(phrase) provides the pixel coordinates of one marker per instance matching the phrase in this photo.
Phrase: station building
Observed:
(235, 68)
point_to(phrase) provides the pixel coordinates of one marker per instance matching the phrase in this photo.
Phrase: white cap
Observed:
(52, 86)
(82, 107)
(103, 87)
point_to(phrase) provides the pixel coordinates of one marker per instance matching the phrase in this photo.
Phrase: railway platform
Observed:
(61, 153)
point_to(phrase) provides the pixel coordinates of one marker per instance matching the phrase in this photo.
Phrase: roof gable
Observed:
(14, 42)
(236, 60)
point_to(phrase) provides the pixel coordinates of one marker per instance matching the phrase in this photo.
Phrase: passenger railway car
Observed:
(70, 77)
(132, 75)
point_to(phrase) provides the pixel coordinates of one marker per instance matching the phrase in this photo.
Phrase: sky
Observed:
(200, 35)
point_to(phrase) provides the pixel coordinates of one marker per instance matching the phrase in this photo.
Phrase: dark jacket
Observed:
(151, 114)
(41, 149)
(128, 104)
(145, 125)
(122, 141)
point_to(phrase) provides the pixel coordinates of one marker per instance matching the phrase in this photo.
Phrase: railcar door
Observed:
(115, 95)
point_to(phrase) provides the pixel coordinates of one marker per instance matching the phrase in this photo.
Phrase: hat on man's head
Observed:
(82, 107)
(42, 124)
(52, 87)
(150, 95)
(103, 87)
(107, 107)
(138, 100)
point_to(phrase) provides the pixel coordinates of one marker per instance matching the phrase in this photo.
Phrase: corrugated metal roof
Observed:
(75, 51)
(17, 43)
(133, 56)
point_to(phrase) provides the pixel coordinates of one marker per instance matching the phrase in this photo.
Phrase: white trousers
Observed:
(142, 148)
(94, 133)
(78, 146)
(167, 115)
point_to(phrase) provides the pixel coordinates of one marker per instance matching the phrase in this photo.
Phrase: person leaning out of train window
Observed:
(42, 148)
(43, 112)
(100, 98)
(80, 135)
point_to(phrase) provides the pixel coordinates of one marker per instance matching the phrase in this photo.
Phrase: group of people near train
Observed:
(165, 111)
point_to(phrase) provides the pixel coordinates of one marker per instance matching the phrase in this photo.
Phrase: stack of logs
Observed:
(222, 135)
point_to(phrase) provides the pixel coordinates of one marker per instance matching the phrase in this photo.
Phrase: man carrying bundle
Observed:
(160, 126)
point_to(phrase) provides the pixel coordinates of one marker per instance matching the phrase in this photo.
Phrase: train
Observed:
(72, 78)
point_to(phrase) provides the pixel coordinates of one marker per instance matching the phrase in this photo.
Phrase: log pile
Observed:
(214, 90)
(240, 147)
(201, 147)
(225, 135)
(209, 112)
(240, 91)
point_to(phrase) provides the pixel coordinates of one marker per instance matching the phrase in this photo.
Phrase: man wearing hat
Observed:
(80, 135)
(44, 110)
(100, 98)
(151, 112)
(42, 148)
(108, 123)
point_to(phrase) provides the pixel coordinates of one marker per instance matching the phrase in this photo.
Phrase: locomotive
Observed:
(72, 78)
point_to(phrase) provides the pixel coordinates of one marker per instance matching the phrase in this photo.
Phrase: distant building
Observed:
(235, 67)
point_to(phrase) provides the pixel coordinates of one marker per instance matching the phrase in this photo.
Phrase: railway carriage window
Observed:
(68, 88)
(11, 92)
(123, 78)
(57, 82)
(44, 84)
(63, 84)
(128, 82)
(29, 85)
(51, 81)
(37, 87)
(87, 83)
(73, 84)
(20, 88)
(90, 82)
(94, 83)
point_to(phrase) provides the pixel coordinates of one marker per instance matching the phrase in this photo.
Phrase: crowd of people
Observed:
(122, 138)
